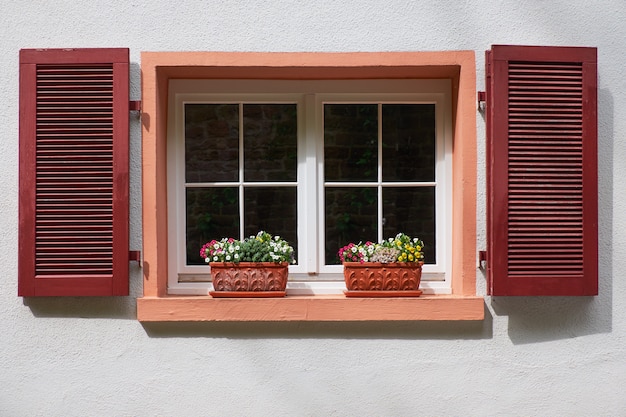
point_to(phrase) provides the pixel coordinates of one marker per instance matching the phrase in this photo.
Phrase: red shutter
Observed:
(542, 227)
(73, 208)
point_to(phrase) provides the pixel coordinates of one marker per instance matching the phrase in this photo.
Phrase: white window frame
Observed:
(310, 276)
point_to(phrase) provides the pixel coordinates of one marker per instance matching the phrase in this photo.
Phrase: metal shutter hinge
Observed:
(482, 259)
(482, 98)
(135, 255)
(134, 105)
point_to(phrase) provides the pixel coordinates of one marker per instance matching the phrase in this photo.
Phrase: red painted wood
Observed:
(541, 171)
(73, 227)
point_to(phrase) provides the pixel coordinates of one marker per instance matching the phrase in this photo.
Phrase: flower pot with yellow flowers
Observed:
(391, 268)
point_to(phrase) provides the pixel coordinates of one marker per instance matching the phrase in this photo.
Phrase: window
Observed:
(457, 68)
(320, 163)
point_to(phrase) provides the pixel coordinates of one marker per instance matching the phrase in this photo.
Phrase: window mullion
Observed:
(380, 172)
(241, 172)
(375, 184)
(309, 152)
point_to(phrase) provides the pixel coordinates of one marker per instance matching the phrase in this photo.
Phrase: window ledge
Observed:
(309, 308)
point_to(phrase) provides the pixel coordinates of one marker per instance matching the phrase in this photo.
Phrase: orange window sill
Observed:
(309, 308)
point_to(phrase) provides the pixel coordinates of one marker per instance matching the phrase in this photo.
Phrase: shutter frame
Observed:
(35, 278)
(564, 269)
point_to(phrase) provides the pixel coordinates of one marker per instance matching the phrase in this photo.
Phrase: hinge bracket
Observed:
(134, 105)
(482, 98)
(135, 256)
(482, 259)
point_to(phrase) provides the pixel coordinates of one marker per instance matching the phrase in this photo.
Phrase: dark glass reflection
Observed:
(350, 142)
(270, 142)
(211, 142)
(411, 210)
(351, 216)
(212, 213)
(273, 209)
(408, 142)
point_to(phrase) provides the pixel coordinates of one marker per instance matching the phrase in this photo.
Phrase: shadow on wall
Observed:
(125, 308)
(541, 319)
(90, 307)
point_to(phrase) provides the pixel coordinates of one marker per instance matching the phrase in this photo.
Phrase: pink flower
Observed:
(207, 249)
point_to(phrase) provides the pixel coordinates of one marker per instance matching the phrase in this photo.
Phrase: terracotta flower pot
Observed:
(249, 279)
(375, 279)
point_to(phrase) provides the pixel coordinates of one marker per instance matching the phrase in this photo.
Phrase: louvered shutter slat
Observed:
(542, 208)
(554, 84)
(74, 204)
(60, 88)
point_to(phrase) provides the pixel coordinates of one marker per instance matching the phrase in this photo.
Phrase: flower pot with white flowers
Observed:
(257, 266)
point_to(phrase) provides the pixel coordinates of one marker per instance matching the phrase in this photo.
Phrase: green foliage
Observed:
(260, 248)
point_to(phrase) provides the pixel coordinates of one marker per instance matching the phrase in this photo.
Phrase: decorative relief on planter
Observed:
(249, 279)
(375, 279)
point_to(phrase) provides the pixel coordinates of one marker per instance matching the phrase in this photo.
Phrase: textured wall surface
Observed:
(530, 356)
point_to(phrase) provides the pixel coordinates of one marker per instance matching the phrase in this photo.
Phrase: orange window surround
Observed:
(159, 67)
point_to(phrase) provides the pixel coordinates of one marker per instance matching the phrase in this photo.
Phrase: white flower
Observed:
(228, 257)
(207, 259)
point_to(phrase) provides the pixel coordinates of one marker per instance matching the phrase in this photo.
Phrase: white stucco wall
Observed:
(530, 356)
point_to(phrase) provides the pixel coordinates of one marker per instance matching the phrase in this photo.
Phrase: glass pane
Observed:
(273, 209)
(411, 210)
(211, 142)
(408, 142)
(212, 213)
(351, 216)
(350, 142)
(270, 142)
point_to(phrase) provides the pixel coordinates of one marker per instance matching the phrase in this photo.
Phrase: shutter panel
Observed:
(73, 214)
(541, 113)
